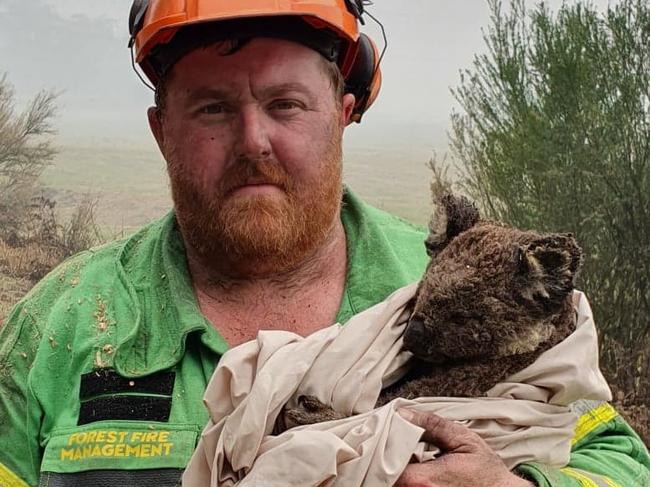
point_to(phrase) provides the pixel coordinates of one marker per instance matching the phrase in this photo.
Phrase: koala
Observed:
(491, 300)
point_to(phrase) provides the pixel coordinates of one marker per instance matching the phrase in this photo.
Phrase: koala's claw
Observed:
(309, 411)
(311, 403)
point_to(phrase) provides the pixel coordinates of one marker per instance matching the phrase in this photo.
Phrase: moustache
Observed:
(254, 171)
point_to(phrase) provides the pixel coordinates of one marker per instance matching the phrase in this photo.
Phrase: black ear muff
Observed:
(136, 18)
(364, 78)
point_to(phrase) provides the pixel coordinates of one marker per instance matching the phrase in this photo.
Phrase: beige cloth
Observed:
(525, 418)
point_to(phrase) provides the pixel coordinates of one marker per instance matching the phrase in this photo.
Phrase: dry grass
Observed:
(20, 268)
(31, 261)
(11, 290)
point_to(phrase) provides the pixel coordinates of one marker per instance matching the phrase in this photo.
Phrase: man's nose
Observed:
(252, 139)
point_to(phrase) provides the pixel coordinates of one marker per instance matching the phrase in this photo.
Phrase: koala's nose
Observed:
(415, 337)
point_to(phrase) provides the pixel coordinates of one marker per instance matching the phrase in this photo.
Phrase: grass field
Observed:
(131, 188)
(130, 185)
(128, 182)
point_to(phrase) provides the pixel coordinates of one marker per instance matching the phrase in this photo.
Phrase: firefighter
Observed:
(104, 364)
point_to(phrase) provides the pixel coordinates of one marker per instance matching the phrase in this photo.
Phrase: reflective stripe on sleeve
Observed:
(591, 419)
(587, 479)
(10, 479)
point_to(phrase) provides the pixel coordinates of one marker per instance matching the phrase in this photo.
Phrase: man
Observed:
(103, 364)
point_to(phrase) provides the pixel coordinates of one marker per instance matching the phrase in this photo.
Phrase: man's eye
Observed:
(213, 108)
(285, 105)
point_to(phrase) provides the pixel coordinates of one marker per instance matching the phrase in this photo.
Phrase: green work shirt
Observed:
(104, 363)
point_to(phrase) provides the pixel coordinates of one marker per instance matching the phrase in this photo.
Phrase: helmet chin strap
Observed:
(381, 26)
(135, 70)
(136, 18)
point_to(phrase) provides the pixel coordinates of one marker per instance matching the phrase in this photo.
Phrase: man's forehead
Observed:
(228, 90)
(270, 63)
(254, 53)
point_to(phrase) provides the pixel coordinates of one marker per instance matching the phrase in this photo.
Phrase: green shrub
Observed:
(554, 134)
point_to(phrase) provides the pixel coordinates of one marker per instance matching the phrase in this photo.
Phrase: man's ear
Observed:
(155, 124)
(452, 215)
(347, 107)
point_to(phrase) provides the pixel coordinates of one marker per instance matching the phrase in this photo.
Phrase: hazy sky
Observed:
(78, 47)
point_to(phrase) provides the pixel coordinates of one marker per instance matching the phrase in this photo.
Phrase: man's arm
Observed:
(606, 453)
(19, 421)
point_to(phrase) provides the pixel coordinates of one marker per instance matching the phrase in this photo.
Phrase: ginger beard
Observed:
(261, 234)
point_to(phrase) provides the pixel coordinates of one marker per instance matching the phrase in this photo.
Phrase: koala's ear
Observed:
(451, 216)
(549, 266)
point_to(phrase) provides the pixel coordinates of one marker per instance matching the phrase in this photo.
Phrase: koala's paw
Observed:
(309, 411)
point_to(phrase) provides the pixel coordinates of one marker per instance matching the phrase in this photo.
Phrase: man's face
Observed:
(253, 146)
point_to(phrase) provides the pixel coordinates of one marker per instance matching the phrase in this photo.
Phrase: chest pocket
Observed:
(113, 478)
(105, 395)
(118, 453)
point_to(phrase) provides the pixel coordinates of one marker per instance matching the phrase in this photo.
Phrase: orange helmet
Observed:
(329, 26)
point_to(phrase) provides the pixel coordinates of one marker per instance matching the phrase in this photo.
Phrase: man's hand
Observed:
(466, 460)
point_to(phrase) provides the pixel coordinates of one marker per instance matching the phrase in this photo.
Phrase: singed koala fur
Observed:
(491, 300)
